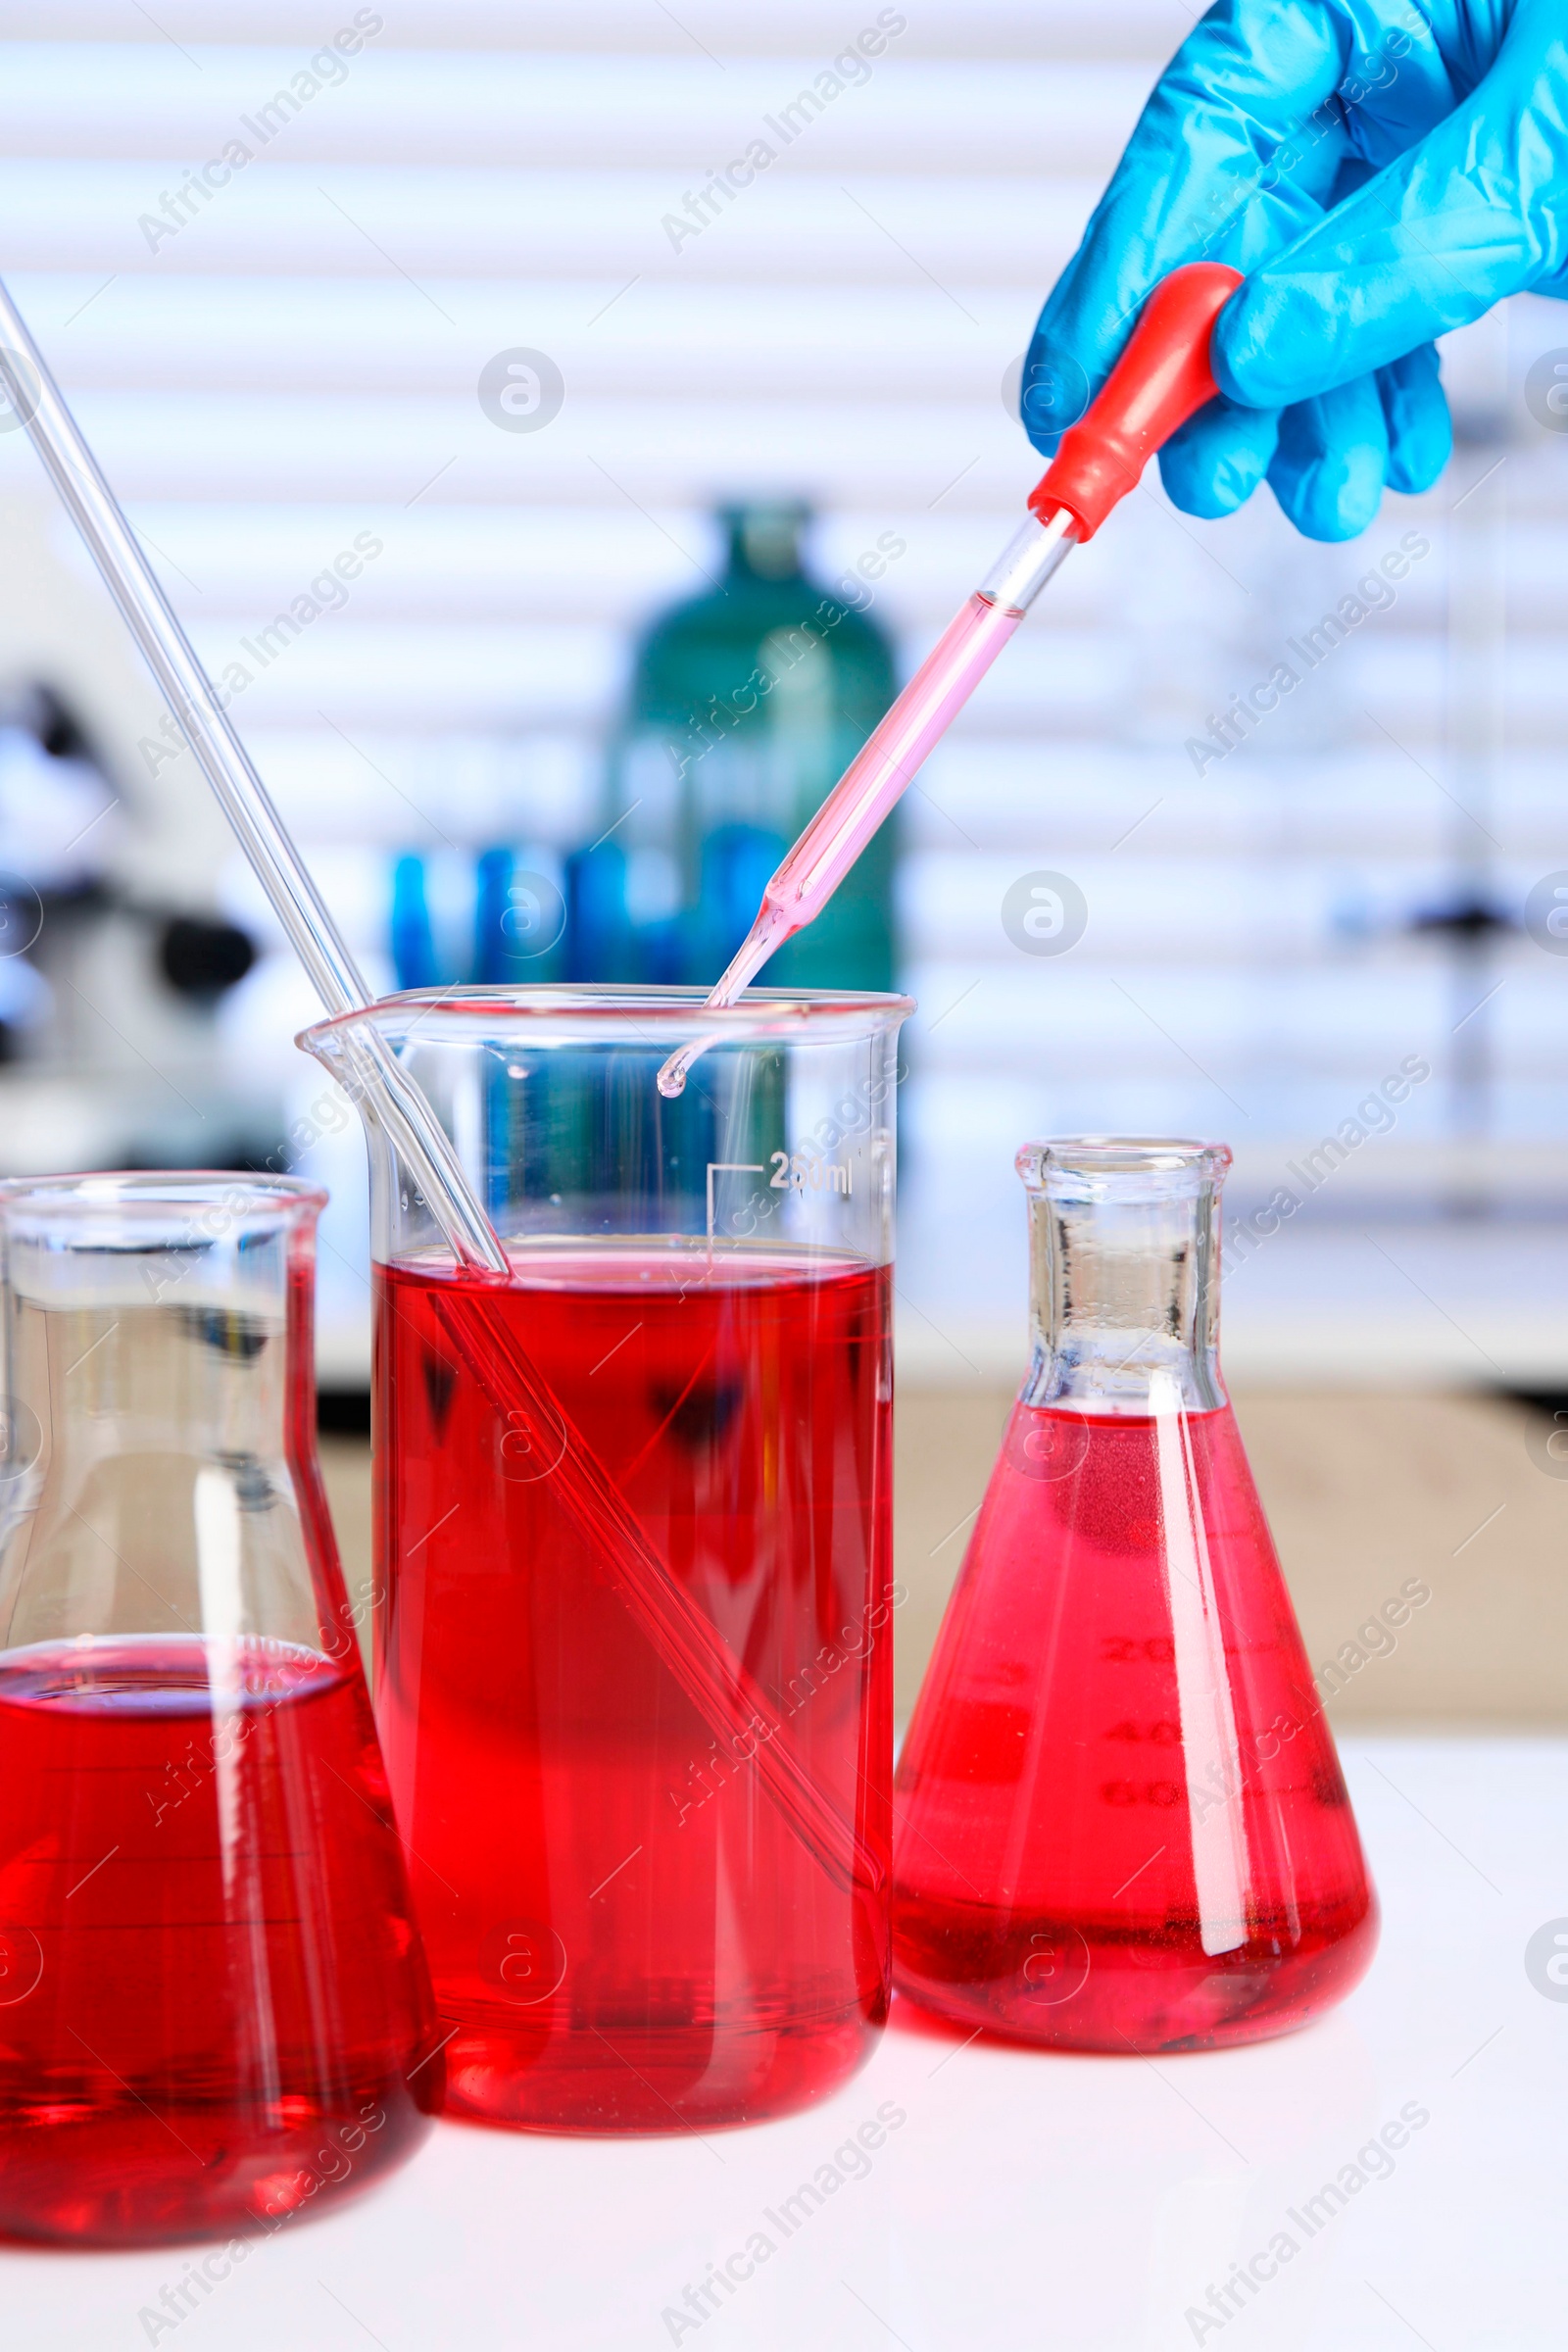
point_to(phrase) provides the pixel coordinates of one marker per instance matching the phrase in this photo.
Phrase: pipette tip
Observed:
(769, 931)
(671, 1080)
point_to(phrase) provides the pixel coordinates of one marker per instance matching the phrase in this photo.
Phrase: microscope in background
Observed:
(115, 951)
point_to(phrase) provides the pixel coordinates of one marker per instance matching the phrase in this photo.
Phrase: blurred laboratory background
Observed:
(500, 390)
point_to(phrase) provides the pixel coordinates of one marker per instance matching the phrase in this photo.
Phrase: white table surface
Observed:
(1027, 2201)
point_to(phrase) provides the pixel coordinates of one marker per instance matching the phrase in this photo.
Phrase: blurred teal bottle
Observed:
(746, 704)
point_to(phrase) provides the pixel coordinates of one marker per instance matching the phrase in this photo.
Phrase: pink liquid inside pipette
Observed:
(874, 780)
(887, 763)
(1161, 378)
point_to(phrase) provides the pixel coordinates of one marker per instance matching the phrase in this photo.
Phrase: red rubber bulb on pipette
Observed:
(1162, 378)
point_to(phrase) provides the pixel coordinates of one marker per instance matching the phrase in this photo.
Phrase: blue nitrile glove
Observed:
(1382, 171)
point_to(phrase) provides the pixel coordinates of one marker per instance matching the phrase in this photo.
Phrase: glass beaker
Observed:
(633, 1526)
(1121, 1822)
(214, 2010)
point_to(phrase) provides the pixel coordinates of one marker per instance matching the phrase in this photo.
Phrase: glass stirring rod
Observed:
(1161, 378)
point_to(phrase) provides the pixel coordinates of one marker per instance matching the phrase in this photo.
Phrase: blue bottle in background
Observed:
(412, 942)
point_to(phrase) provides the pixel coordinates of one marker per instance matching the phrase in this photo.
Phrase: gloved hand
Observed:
(1382, 171)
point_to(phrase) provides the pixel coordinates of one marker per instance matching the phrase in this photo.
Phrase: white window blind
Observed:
(276, 363)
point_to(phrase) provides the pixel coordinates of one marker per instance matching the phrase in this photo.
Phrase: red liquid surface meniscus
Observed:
(210, 1987)
(1090, 1772)
(623, 1930)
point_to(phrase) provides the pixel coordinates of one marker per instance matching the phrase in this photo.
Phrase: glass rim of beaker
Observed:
(150, 1192)
(1094, 1158)
(662, 1016)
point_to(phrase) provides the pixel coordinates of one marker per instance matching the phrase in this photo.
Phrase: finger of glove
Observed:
(1216, 460)
(1331, 461)
(1415, 410)
(1236, 155)
(1463, 218)
(1199, 178)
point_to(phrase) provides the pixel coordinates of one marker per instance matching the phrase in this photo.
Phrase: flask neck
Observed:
(764, 540)
(157, 1461)
(1124, 1275)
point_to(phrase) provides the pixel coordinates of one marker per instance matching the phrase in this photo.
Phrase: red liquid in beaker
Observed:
(205, 1949)
(621, 1926)
(1121, 1820)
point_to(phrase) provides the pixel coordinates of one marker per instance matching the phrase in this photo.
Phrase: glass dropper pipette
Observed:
(1161, 378)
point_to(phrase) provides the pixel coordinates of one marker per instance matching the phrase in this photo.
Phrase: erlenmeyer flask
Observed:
(1121, 1822)
(212, 1995)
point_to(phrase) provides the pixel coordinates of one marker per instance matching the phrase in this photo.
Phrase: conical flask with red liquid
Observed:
(1121, 1823)
(214, 2010)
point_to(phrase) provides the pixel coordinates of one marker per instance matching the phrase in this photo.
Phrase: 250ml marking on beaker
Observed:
(808, 1171)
